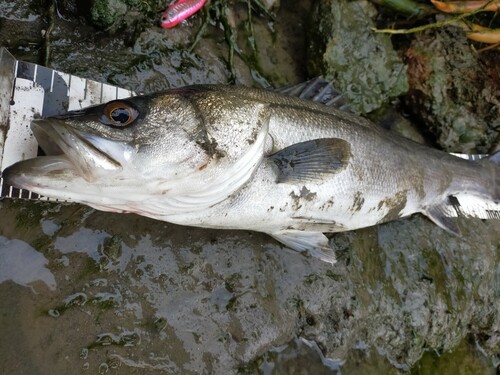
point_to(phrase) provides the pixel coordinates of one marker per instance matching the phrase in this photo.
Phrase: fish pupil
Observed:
(120, 115)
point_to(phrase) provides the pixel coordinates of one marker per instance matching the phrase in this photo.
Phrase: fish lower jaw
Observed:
(30, 174)
(54, 176)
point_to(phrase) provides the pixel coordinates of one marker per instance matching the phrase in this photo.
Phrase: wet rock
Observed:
(154, 59)
(105, 13)
(67, 9)
(159, 61)
(271, 4)
(457, 361)
(428, 289)
(21, 25)
(361, 63)
(188, 299)
(389, 118)
(453, 90)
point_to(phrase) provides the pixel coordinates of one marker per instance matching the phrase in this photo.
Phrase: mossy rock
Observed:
(362, 64)
(453, 91)
(105, 13)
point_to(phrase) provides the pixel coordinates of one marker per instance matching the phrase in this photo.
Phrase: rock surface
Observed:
(454, 91)
(362, 64)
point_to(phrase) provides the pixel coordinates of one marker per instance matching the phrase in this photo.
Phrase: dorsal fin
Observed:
(318, 90)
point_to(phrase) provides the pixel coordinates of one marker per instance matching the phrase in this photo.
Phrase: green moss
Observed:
(90, 267)
(250, 368)
(311, 278)
(437, 274)
(196, 249)
(160, 324)
(29, 214)
(372, 262)
(465, 359)
(104, 303)
(231, 282)
(299, 306)
(366, 250)
(101, 301)
(332, 275)
(185, 268)
(362, 64)
(460, 289)
(231, 304)
(135, 3)
(105, 13)
(112, 247)
(42, 243)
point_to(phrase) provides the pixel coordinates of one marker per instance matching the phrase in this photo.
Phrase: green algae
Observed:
(362, 64)
(452, 93)
(105, 13)
(112, 248)
(28, 216)
(436, 272)
(465, 359)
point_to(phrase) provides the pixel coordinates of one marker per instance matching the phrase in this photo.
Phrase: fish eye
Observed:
(119, 113)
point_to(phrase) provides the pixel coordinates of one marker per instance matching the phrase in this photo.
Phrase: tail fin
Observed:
(468, 205)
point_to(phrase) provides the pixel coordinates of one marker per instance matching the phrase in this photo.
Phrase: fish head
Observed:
(133, 155)
(124, 147)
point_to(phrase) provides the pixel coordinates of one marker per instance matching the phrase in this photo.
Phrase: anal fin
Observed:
(315, 243)
(442, 215)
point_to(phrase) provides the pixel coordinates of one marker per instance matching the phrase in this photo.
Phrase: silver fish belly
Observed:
(239, 158)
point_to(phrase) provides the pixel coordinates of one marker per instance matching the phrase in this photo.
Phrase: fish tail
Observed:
(481, 203)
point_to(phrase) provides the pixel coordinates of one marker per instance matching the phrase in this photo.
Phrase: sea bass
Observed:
(239, 158)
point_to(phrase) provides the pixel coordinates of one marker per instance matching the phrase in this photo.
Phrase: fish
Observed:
(179, 11)
(233, 157)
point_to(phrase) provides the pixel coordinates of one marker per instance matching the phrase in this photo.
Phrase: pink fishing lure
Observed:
(179, 11)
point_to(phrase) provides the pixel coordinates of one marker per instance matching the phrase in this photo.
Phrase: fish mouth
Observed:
(69, 154)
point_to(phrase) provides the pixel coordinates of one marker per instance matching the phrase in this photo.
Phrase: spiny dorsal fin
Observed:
(311, 160)
(315, 243)
(318, 90)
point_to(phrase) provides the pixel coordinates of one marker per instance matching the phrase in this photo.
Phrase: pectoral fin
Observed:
(311, 160)
(315, 243)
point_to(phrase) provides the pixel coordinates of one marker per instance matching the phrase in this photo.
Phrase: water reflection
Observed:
(24, 265)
